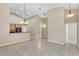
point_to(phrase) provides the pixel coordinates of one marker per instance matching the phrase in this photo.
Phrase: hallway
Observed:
(39, 48)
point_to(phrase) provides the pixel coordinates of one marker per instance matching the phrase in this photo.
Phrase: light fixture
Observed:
(20, 8)
(44, 25)
(21, 22)
(70, 14)
(27, 22)
(24, 20)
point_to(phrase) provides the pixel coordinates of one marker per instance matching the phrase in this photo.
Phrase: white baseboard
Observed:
(56, 42)
(13, 43)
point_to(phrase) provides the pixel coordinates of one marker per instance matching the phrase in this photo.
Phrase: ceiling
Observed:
(40, 9)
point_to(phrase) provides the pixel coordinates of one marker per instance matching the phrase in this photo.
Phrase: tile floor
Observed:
(39, 47)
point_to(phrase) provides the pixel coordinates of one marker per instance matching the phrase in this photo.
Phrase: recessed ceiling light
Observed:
(20, 8)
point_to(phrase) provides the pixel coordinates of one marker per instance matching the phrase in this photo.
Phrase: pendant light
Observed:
(70, 14)
(24, 20)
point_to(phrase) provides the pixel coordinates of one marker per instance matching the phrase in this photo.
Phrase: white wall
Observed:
(5, 37)
(34, 26)
(4, 16)
(56, 25)
(78, 27)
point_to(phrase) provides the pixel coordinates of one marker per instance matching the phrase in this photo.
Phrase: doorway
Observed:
(45, 28)
(71, 33)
